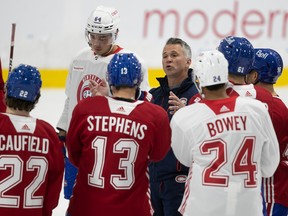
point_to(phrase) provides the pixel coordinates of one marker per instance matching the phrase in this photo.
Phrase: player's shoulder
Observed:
(188, 116)
(279, 101)
(244, 103)
(46, 126)
(191, 110)
(83, 53)
(279, 106)
(154, 109)
(152, 105)
(263, 93)
(2, 115)
(195, 99)
(90, 101)
(261, 89)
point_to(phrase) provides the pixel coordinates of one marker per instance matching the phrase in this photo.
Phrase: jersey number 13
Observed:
(126, 164)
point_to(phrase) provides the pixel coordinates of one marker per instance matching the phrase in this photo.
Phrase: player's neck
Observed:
(237, 79)
(124, 92)
(12, 111)
(215, 94)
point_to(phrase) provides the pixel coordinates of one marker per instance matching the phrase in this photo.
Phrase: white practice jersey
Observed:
(84, 67)
(229, 145)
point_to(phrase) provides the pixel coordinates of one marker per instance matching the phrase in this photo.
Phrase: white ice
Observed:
(50, 108)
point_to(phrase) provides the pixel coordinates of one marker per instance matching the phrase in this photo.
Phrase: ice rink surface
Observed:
(50, 108)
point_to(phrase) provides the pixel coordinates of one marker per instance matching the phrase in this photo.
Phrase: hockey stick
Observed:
(0, 67)
(2, 94)
(1, 77)
(12, 46)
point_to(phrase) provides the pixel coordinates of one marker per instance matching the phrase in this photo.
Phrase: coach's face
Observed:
(174, 61)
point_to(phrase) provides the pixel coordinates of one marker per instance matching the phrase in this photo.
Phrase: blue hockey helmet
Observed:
(268, 64)
(239, 53)
(124, 69)
(24, 82)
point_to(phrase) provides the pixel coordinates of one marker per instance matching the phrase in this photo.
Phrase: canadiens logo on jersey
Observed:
(83, 90)
(183, 100)
(181, 178)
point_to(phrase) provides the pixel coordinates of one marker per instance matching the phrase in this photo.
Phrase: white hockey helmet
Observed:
(210, 68)
(103, 20)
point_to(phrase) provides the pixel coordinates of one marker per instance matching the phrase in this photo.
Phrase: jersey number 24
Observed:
(242, 163)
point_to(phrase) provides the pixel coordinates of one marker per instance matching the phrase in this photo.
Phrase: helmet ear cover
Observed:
(239, 53)
(24, 83)
(210, 68)
(124, 70)
(268, 64)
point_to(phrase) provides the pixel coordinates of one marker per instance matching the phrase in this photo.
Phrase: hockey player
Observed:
(239, 53)
(229, 147)
(31, 157)
(101, 31)
(111, 140)
(266, 69)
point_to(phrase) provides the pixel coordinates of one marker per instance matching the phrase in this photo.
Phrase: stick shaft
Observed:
(1, 79)
(0, 66)
(12, 46)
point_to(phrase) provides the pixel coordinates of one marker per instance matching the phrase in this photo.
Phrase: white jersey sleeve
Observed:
(63, 121)
(81, 69)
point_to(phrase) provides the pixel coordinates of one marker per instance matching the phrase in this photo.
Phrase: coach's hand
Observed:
(174, 103)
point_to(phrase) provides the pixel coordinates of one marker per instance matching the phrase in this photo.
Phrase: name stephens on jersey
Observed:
(24, 143)
(116, 124)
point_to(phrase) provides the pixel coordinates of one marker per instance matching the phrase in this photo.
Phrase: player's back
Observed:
(31, 166)
(276, 187)
(111, 144)
(229, 150)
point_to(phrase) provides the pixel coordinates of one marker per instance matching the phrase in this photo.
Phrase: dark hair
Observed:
(21, 105)
(182, 43)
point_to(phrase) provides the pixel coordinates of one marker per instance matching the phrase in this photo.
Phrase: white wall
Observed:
(50, 32)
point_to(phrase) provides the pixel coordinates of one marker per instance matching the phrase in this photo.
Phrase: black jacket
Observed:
(170, 167)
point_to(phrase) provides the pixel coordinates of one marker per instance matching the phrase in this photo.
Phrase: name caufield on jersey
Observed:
(24, 143)
(116, 124)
